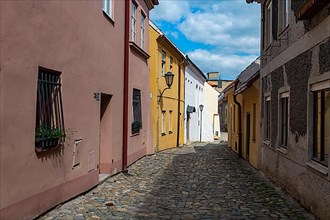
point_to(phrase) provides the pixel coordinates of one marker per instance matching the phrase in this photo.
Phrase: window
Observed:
(49, 115)
(143, 18)
(171, 63)
(268, 26)
(284, 10)
(107, 7)
(163, 62)
(170, 122)
(219, 84)
(268, 110)
(136, 106)
(163, 123)
(321, 123)
(133, 21)
(284, 119)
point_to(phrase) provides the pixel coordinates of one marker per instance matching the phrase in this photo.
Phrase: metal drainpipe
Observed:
(126, 74)
(239, 123)
(179, 103)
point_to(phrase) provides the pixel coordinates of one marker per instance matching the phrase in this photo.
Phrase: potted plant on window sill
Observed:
(46, 138)
(136, 126)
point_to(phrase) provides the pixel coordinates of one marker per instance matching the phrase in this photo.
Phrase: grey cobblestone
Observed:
(194, 182)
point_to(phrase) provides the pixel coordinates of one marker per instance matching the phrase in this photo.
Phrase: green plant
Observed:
(49, 133)
(136, 126)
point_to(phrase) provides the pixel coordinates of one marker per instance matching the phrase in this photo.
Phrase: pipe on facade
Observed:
(239, 122)
(126, 77)
(179, 104)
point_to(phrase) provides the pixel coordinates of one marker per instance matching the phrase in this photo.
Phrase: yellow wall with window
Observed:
(249, 100)
(165, 111)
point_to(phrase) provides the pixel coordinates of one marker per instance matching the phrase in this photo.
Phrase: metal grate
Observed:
(49, 117)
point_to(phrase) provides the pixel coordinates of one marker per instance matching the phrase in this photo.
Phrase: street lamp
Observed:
(169, 76)
(201, 107)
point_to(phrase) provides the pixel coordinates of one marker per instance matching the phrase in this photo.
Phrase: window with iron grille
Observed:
(49, 116)
(321, 122)
(137, 117)
(284, 119)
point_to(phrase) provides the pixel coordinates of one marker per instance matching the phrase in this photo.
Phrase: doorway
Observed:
(248, 132)
(105, 133)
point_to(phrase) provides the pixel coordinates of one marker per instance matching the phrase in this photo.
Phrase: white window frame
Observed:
(317, 87)
(268, 24)
(163, 122)
(284, 9)
(107, 6)
(142, 30)
(284, 95)
(163, 62)
(133, 21)
(268, 118)
(170, 122)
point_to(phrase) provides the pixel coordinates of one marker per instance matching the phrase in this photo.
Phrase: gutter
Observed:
(239, 122)
(179, 102)
(126, 75)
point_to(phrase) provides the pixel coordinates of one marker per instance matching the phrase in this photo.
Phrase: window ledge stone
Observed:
(318, 167)
(282, 150)
(139, 50)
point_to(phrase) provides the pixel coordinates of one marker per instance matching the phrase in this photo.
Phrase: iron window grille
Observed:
(137, 116)
(284, 121)
(50, 130)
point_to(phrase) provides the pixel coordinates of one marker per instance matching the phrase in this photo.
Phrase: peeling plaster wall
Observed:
(299, 58)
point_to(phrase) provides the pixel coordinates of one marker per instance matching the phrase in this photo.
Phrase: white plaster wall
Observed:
(194, 86)
(210, 113)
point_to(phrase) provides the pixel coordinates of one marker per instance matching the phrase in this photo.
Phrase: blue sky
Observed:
(218, 35)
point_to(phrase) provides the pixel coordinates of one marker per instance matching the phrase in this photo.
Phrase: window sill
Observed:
(318, 167)
(139, 50)
(108, 17)
(282, 32)
(135, 134)
(282, 150)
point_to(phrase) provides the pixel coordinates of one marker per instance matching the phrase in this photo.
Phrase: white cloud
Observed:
(171, 11)
(229, 66)
(223, 30)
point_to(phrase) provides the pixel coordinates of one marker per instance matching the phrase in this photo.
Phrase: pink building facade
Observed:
(62, 69)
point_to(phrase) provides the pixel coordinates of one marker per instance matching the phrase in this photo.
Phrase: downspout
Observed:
(179, 103)
(239, 122)
(126, 72)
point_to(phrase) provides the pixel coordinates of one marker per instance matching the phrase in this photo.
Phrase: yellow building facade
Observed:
(168, 109)
(244, 118)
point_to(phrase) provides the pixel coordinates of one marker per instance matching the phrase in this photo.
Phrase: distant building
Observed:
(214, 80)
(243, 106)
(194, 97)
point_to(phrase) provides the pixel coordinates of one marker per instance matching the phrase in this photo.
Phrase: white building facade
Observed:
(211, 120)
(194, 97)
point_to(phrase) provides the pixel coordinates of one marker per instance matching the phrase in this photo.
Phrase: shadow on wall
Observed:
(211, 183)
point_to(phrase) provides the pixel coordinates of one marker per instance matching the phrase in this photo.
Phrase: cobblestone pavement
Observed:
(194, 182)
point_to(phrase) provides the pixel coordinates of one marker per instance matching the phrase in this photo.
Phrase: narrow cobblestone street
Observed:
(194, 182)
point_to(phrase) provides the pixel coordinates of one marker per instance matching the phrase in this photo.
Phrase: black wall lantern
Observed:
(169, 76)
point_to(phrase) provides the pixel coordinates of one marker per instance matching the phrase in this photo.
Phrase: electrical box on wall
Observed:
(76, 152)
